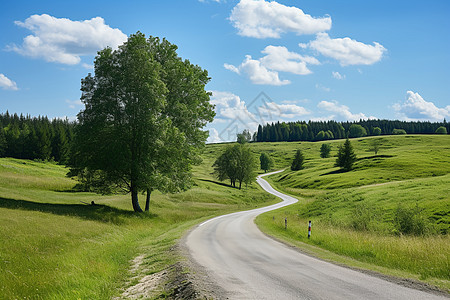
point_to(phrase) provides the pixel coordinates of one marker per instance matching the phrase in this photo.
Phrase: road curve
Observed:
(239, 258)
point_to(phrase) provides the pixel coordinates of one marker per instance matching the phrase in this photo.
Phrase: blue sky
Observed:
(268, 60)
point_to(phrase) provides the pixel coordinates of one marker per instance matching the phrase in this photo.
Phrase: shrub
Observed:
(398, 131)
(410, 221)
(441, 130)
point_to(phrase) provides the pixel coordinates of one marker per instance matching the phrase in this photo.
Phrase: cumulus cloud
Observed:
(415, 108)
(347, 51)
(7, 84)
(74, 103)
(277, 59)
(64, 41)
(340, 112)
(262, 19)
(230, 106)
(257, 72)
(284, 110)
(213, 136)
(338, 75)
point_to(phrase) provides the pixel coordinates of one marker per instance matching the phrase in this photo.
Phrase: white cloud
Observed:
(262, 19)
(277, 59)
(230, 106)
(87, 66)
(338, 75)
(284, 110)
(7, 84)
(257, 72)
(213, 136)
(347, 51)
(415, 108)
(64, 41)
(340, 112)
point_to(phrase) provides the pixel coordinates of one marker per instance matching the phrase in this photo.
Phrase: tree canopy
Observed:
(266, 162)
(236, 164)
(141, 127)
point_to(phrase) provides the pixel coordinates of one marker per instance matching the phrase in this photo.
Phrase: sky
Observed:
(268, 61)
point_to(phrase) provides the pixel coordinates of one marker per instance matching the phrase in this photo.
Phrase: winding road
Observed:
(246, 264)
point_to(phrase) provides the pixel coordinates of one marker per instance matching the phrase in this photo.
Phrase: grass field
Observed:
(356, 214)
(53, 246)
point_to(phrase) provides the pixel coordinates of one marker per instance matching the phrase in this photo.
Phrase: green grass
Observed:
(353, 213)
(52, 246)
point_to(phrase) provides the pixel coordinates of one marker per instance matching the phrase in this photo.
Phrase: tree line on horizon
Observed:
(330, 130)
(36, 138)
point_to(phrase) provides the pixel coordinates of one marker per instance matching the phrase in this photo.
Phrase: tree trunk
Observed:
(240, 183)
(147, 201)
(135, 199)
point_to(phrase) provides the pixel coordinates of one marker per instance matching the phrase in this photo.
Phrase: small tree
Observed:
(325, 150)
(346, 156)
(244, 137)
(441, 130)
(237, 164)
(375, 145)
(297, 164)
(266, 162)
(376, 131)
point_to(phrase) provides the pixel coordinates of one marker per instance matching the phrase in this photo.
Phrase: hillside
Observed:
(55, 246)
(391, 212)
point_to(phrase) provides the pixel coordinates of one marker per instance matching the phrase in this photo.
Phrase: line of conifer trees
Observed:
(328, 130)
(35, 137)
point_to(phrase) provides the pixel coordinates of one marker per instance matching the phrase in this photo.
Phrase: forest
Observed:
(329, 130)
(36, 138)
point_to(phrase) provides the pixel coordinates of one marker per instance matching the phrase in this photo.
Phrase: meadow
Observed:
(55, 246)
(390, 214)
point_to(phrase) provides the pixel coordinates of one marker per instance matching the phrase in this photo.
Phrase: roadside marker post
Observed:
(285, 223)
(309, 230)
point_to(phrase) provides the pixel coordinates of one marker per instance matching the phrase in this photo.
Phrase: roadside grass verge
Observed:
(53, 246)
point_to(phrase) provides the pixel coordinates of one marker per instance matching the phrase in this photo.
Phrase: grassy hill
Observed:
(53, 246)
(391, 212)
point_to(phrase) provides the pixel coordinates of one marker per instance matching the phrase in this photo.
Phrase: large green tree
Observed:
(346, 156)
(141, 129)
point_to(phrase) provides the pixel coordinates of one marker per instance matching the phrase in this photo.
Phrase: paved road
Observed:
(249, 265)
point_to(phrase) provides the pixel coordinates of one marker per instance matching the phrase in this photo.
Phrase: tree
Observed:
(325, 150)
(266, 162)
(376, 131)
(297, 163)
(237, 164)
(141, 126)
(346, 156)
(244, 137)
(356, 131)
(3, 144)
(441, 130)
(375, 145)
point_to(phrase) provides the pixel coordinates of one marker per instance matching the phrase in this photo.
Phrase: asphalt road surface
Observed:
(246, 264)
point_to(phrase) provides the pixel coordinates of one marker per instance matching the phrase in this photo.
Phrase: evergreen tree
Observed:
(297, 163)
(3, 144)
(266, 162)
(325, 150)
(346, 156)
